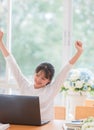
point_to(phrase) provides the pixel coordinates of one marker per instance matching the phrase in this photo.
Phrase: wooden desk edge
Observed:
(53, 125)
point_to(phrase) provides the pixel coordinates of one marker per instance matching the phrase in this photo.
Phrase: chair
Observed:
(60, 112)
(82, 112)
(89, 102)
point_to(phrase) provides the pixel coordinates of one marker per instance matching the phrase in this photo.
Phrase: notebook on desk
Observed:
(72, 125)
(21, 110)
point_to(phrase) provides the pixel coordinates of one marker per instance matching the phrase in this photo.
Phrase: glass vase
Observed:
(74, 99)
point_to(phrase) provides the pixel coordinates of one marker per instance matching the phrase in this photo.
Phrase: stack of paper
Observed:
(73, 125)
(4, 126)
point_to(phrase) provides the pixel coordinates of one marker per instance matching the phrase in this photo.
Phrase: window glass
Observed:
(83, 29)
(37, 33)
(3, 26)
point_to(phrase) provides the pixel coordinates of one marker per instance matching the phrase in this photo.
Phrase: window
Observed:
(46, 31)
(37, 33)
(83, 29)
(3, 24)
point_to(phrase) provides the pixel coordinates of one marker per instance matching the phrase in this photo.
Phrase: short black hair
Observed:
(47, 68)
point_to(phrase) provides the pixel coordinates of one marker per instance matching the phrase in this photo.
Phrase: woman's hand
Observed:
(3, 49)
(1, 35)
(79, 46)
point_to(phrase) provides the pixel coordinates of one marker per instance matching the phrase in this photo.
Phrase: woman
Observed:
(42, 86)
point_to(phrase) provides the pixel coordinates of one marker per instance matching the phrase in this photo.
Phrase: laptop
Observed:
(20, 110)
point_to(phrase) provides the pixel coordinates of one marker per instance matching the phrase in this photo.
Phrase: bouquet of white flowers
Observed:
(88, 124)
(81, 80)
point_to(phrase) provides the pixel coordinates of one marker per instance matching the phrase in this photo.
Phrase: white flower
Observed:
(67, 84)
(79, 84)
(91, 82)
(75, 75)
(88, 125)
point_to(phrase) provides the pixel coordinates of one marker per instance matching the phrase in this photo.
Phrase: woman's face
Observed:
(40, 80)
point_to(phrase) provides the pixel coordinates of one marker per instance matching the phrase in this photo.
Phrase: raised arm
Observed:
(20, 78)
(58, 82)
(78, 46)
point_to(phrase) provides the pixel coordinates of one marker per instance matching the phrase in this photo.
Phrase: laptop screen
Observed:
(18, 109)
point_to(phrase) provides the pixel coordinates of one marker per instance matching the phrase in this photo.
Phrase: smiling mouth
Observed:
(37, 84)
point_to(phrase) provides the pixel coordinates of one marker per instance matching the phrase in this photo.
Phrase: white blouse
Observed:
(46, 94)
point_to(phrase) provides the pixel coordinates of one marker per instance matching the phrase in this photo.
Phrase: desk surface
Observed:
(54, 125)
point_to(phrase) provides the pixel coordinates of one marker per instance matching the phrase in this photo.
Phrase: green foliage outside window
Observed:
(37, 33)
(83, 29)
